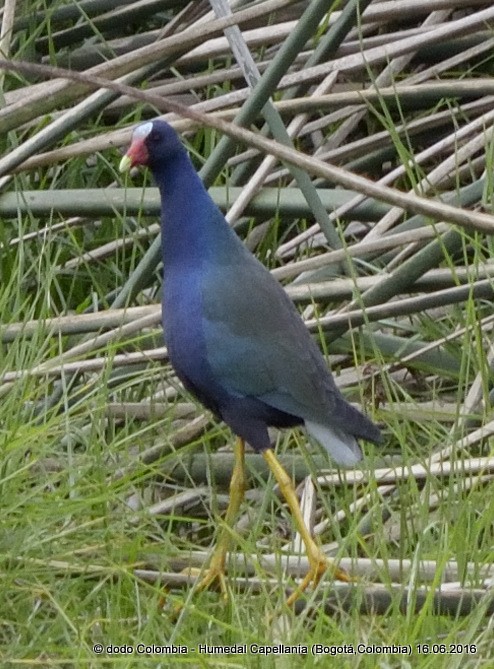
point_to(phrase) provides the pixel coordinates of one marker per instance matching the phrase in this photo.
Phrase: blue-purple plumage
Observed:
(233, 335)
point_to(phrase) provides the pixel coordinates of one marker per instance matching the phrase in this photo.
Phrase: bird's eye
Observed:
(153, 136)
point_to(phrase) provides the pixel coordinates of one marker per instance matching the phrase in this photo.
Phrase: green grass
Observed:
(83, 549)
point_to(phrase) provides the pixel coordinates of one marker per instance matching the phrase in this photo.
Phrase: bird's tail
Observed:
(341, 446)
(340, 437)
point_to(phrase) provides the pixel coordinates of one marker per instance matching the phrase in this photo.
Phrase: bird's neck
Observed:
(184, 210)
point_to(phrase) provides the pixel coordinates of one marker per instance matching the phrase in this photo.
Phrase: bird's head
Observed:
(151, 143)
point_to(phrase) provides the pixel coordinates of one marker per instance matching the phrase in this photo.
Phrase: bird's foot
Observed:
(212, 576)
(319, 564)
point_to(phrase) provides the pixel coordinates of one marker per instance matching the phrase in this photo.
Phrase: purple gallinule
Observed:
(237, 342)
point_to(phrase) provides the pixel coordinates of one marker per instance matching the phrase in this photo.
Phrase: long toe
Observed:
(319, 565)
(214, 576)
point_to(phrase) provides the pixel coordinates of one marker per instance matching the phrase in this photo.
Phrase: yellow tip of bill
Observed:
(125, 164)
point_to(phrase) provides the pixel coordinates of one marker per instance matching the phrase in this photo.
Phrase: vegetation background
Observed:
(378, 222)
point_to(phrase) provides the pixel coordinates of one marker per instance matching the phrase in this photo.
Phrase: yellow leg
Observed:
(318, 562)
(238, 484)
